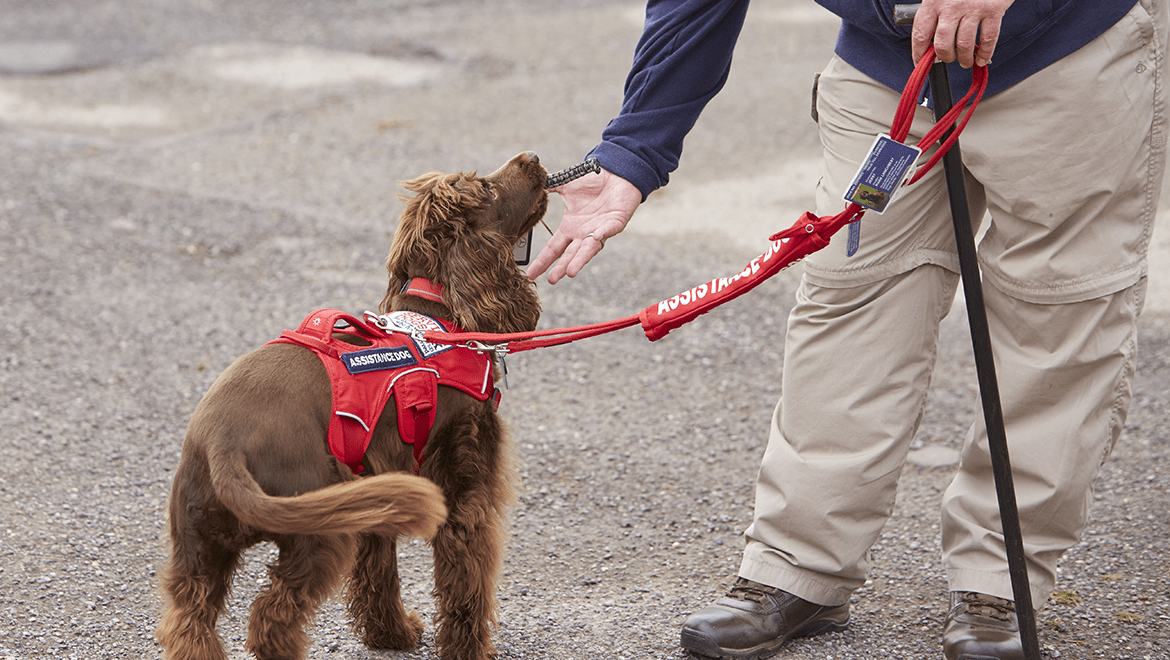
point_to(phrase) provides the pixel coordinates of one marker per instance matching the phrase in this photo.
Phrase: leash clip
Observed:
(499, 350)
(381, 322)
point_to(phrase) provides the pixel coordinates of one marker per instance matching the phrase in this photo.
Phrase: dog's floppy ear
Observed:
(415, 250)
(443, 236)
(483, 287)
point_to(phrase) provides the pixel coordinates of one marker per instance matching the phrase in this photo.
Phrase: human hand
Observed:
(953, 26)
(596, 208)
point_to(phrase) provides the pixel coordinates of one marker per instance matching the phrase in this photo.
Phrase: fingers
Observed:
(922, 34)
(561, 256)
(566, 256)
(570, 256)
(961, 46)
(989, 36)
(548, 255)
(586, 250)
(574, 258)
(960, 30)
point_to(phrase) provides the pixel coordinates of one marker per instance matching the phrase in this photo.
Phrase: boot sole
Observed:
(705, 648)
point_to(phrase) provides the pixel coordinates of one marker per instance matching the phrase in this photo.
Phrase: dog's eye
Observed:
(492, 189)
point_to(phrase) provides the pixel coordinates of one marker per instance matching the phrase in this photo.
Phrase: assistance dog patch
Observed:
(375, 359)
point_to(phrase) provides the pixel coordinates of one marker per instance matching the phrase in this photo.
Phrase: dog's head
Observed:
(459, 230)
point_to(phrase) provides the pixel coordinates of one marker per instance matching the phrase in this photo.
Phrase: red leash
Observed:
(809, 234)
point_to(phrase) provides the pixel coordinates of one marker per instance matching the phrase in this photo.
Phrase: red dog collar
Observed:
(423, 288)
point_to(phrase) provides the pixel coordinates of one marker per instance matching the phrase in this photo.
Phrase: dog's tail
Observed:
(388, 504)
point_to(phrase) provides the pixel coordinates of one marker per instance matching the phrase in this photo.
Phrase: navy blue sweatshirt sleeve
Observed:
(681, 62)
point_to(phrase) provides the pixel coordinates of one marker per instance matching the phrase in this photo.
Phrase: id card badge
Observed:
(878, 180)
(882, 173)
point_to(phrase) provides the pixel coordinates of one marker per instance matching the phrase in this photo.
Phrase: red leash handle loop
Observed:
(904, 115)
(974, 95)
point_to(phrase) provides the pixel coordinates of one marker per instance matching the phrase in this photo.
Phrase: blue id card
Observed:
(882, 173)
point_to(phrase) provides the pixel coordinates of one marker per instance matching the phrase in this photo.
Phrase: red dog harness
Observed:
(396, 362)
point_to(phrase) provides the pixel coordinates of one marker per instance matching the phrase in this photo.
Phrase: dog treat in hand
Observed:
(573, 173)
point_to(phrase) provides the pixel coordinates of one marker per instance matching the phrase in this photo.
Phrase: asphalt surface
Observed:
(180, 181)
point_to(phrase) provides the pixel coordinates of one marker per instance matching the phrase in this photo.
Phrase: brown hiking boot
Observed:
(981, 627)
(755, 621)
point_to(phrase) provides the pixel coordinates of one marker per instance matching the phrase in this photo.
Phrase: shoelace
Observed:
(746, 590)
(988, 606)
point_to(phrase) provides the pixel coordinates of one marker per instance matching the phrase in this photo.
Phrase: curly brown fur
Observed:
(256, 465)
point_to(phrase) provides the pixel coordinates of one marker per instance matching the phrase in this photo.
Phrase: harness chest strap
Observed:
(363, 378)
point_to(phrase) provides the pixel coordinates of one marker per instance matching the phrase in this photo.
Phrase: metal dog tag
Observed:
(523, 250)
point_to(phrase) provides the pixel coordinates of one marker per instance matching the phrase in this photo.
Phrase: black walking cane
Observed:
(940, 92)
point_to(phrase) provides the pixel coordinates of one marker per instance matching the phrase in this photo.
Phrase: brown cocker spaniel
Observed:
(256, 465)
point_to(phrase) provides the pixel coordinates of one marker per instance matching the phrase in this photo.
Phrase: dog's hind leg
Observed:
(304, 575)
(195, 585)
(375, 599)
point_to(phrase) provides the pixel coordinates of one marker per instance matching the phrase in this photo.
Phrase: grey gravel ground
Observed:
(179, 181)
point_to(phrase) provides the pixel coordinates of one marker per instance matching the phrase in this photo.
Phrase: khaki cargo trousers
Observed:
(1069, 164)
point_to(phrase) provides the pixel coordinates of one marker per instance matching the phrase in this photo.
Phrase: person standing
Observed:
(1066, 153)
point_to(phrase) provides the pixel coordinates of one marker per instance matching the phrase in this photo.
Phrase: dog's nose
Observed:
(532, 156)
